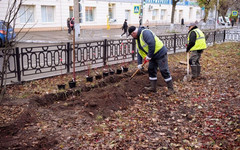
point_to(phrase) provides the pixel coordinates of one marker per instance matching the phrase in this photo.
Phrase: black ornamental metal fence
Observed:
(29, 63)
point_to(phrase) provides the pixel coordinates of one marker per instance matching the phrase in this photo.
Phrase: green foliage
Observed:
(238, 53)
(233, 17)
(206, 3)
(173, 31)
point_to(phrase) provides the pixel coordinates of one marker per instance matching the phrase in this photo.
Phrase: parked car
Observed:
(222, 22)
(6, 35)
(209, 22)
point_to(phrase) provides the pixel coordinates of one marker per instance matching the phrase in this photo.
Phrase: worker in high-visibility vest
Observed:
(196, 45)
(151, 49)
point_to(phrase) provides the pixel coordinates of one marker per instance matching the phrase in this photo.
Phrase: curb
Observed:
(43, 41)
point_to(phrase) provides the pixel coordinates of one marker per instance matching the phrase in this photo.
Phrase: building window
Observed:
(198, 14)
(180, 16)
(70, 11)
(127, 14)
(89, 13)
(163, 14)
(47, 13)
(26, 14)
(111, 9)
(190, 13)
(154, 14)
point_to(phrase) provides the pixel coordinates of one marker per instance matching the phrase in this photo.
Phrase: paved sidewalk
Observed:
(63, 37)
(56, 37)
(86, 35)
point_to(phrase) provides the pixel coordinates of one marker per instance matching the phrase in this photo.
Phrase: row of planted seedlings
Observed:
(94, 73)
(71, 83)
(106, 71)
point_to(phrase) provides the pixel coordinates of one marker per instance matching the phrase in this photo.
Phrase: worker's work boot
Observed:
(198, 71)
(194, 71)
(170, 88)
(153, 86)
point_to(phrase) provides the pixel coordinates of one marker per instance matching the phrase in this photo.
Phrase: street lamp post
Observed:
(216, 15)
(77, 9)
(76, 29)
(141, 12)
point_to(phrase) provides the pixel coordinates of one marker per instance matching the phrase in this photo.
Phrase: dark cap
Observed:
(131, 29)
(191, 24)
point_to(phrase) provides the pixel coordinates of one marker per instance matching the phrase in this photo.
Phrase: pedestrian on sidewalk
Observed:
(72, 24)
(152, 50)
(182, 22)
(68, 25)
(140, 21)
(124, 28)
(239, 20)
(196, 45)
(232, 21)
(147, 24)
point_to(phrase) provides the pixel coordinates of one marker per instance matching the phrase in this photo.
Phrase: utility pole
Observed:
(141, 11)
(76, 14)
(216, 15)
(76, 31)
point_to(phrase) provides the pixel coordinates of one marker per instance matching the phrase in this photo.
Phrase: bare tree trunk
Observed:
(173, 12)
(6, 54)
(206, 15)
(174, 3)
(10, 17)
(223, 16)
(3, 88)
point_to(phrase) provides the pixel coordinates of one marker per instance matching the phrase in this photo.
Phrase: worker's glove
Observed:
(139, 66)
(146, 59)
(186, 45)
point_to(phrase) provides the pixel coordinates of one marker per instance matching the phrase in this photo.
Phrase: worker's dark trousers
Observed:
(162, 63)
(195, 64)
(195, 57)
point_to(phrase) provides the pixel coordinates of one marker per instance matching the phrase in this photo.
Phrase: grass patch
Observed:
(173, 31)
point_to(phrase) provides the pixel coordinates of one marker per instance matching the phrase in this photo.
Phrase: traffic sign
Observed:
(234, 13)
(136, 9)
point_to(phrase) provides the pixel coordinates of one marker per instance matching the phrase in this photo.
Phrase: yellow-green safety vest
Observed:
(158, 44)
(200, 40)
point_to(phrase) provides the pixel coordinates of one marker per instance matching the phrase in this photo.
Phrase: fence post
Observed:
(175, 41)
(133, 49)
(214, 37)
(224, 35)
(105, 52)
(68, 64)
(18, 65)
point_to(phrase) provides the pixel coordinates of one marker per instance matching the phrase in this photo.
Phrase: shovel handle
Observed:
(138, 70)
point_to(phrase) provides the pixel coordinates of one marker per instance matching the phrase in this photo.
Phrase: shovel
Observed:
(138, 70)
(187, 77)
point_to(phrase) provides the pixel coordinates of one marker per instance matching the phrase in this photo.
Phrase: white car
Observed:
(209, 22)
(222, 22)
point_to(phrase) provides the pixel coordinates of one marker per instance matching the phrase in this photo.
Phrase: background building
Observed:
(53, 14)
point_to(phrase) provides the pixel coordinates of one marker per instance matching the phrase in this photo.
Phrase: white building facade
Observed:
(43, 15)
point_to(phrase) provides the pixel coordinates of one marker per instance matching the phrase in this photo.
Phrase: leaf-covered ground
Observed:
(203, 114)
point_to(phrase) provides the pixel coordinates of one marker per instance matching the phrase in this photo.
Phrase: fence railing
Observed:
(28, 63)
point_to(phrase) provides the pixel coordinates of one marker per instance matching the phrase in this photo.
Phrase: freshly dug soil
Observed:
(110, 94)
